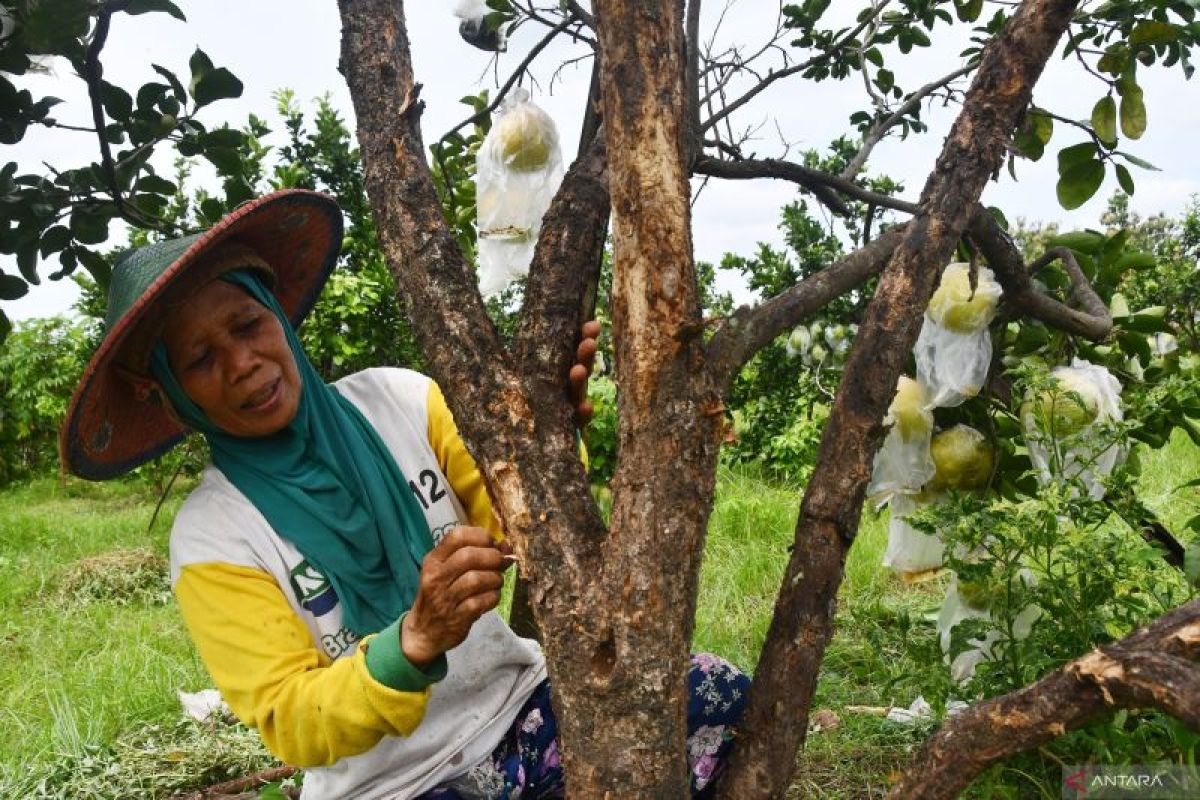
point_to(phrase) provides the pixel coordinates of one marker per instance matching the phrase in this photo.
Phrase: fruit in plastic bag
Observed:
(526, 135)
(908, 411)
(955, 307)
(474, 28)
(963, 459)
(517, 172)
(1068, 407)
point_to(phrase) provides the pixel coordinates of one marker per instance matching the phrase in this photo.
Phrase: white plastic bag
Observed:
(474, 28)
(1087, 397)
(518, 170)
(909, 550)
(903, 463)
(954, 349)
(956, 608)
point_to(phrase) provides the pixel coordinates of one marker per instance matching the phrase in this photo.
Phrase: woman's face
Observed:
(231, 356)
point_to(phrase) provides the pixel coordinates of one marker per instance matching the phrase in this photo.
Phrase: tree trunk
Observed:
(777, 716)
(615, 610)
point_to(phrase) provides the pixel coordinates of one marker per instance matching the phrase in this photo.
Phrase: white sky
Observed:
(271, 44)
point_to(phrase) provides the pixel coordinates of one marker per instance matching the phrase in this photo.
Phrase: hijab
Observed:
(326, 482)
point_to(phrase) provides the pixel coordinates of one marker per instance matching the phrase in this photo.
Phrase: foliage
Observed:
(600, 436)
(68, 212)
(40, 364)
(119, 576)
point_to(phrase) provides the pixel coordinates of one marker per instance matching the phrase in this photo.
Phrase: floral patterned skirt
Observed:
(526, 764)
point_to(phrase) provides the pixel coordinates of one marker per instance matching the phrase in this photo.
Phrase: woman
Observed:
(338, 565)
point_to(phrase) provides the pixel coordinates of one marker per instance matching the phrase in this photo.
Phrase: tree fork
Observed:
(777, 717)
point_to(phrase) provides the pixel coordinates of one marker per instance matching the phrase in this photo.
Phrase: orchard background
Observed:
(1120, 289)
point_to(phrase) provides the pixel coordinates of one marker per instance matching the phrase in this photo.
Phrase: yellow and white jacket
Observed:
(269, 627)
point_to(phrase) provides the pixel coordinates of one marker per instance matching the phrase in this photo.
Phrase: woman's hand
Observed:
(585, 362)
(460, 582)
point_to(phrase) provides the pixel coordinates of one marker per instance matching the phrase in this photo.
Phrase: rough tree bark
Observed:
(615, 609)
(776, 720)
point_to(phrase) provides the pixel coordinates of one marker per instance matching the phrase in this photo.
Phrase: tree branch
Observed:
(813, 181)
(691, 83)
(792, 70)
(1151, 668)
(1093, 321)
(748, 329)
(776, 719)
(875, 135)
(93, 72)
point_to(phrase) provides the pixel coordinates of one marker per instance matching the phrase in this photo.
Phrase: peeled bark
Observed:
(776, 720)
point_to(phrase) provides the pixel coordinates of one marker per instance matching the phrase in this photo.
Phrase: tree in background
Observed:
(615, 600)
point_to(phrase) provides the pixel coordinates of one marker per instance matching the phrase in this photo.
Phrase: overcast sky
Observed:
(271, 44)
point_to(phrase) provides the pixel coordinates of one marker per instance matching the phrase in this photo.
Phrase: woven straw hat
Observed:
(113, 424)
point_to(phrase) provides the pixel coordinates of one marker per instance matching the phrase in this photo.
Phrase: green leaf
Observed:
(12, 287)
(1080, 241)
(146, 6)
(200, 65)
(155, 184)
(117, 102)
(5, 326)
(1124, 178)
(968, 10)
(1133, 113)
(176, 86)
(1118, 306)
(54, 239)
(1104, 120)
(1153, 32)
(1043, 124)
(219, 84)
(1079, 183)
(873, 55)
(89, 227)
(96, 265)
(1148, 320)
(1137, 162)
(1074, 155)
(1191, 557)
(1135, 259)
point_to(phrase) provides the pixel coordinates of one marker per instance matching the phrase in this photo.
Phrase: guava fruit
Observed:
(525, 138)
(963, 458)
(908, 411)
(1067, 408)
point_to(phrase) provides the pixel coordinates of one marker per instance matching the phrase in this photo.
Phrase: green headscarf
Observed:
(326, 483)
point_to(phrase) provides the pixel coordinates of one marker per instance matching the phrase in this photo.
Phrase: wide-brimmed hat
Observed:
(113, 425)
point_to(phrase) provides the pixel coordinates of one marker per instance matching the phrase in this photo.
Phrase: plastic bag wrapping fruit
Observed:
(903, 463)
(518, 170)
(474, 28)
(966, 601)
(909, 550)
(954, 349)
(1065, 426)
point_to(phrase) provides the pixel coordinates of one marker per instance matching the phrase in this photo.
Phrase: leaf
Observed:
(117, 102)
(1152, 31)
(176, 86)
(1075, 154)
(1043, 124)
(1080, 241)
(1118, 306)
(1104, 120)
(136, 7)
(968, 10)
(1133, 113)
(1135, 259)
(1124, 178)
(1137, 162)
(1191, 556)
(200, 65)
(219, 84)
(155, 184)
(1147, 320)
(1079, 183)
(54, 239)
(89, 227)
(5, 326)
(12, 287)
(96, 265)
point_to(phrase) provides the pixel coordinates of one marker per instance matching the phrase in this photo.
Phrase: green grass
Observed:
(87, 672)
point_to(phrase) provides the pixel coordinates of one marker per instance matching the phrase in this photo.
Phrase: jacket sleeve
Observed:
(309, 710)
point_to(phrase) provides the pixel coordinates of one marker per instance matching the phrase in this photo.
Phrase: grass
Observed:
(91, 656)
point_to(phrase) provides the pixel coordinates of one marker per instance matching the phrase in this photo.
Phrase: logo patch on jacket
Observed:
(313, 590)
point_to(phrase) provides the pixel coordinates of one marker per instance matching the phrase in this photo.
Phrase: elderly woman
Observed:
(338, 565)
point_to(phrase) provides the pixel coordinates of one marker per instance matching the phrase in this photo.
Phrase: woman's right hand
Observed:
(460, 582)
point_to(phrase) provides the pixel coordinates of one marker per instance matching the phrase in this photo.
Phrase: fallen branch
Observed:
(239, 785)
